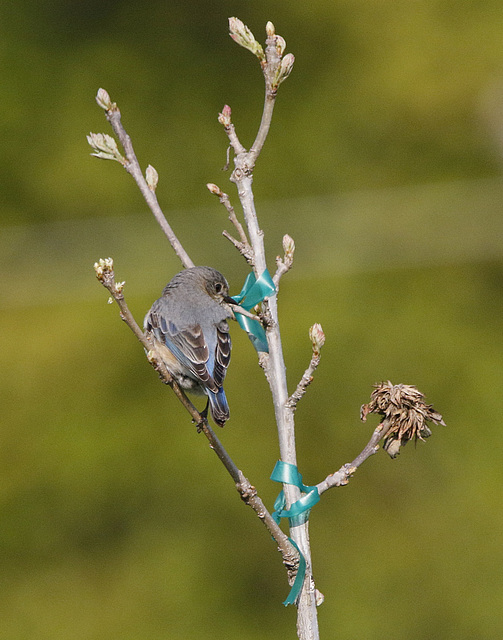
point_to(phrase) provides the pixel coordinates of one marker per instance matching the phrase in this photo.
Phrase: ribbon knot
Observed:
(254, 291)
(297, 514)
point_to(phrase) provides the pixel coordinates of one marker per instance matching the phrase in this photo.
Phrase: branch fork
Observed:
(404, 413)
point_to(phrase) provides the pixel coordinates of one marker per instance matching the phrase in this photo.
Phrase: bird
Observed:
(188, 325)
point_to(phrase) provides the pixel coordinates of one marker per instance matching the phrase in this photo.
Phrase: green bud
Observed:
(152, 177)
(240, 33)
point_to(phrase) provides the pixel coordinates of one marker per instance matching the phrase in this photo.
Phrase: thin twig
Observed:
(317, 338)
(244, 250)
(273, 60)
(341, 477)
(225, 119)
(233, 218)
(304, 382)
(132, 166)
(281, 269)
(242, 245)
(284, 264)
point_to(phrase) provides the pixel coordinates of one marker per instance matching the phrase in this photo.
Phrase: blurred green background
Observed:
(384, 164)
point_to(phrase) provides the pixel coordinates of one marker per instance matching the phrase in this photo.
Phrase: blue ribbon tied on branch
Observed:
(297, 514)
(253, 292)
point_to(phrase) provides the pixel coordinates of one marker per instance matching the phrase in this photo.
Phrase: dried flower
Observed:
(405, 414)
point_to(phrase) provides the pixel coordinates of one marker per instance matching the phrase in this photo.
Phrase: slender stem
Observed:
(269, 102)
(307, 624)
(242, 245)
(341, 477)
(273, 61)
(304, 382)
(133, 167)
(233, 138)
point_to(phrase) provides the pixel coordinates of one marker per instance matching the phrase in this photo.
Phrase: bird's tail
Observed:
(218, 407)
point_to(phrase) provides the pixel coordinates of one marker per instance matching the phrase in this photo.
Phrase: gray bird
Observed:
(189, 326)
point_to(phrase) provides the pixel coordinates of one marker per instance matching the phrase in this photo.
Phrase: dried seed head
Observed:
(404, 414)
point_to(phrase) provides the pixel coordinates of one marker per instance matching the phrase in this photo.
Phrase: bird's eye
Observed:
(218, 287)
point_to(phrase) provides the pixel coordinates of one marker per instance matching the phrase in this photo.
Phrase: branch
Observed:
(273, 61)
(225, 119)
(147, 185)
(105, 274)
(284, 264)
(275, 69)
(318, 340)
(243, 246)
(341, 478)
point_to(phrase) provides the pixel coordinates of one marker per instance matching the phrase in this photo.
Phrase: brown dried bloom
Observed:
(405, 414)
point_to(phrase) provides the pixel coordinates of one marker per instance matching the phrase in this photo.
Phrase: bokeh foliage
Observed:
(383, 163)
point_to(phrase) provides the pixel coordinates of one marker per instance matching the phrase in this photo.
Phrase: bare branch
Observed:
(233, 218)
(132, 166)
(276, 69)
(318, 340)
(285, 264)
(341, 477)
(243, 250)
(225, 119)
(269, 102)
(243, 246)
(274, 364)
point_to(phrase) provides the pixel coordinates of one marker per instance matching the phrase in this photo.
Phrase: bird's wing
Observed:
(188, 345)
(222, 353)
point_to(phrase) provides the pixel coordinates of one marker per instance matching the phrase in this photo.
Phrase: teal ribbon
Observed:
(298, 513)
(254, 291)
